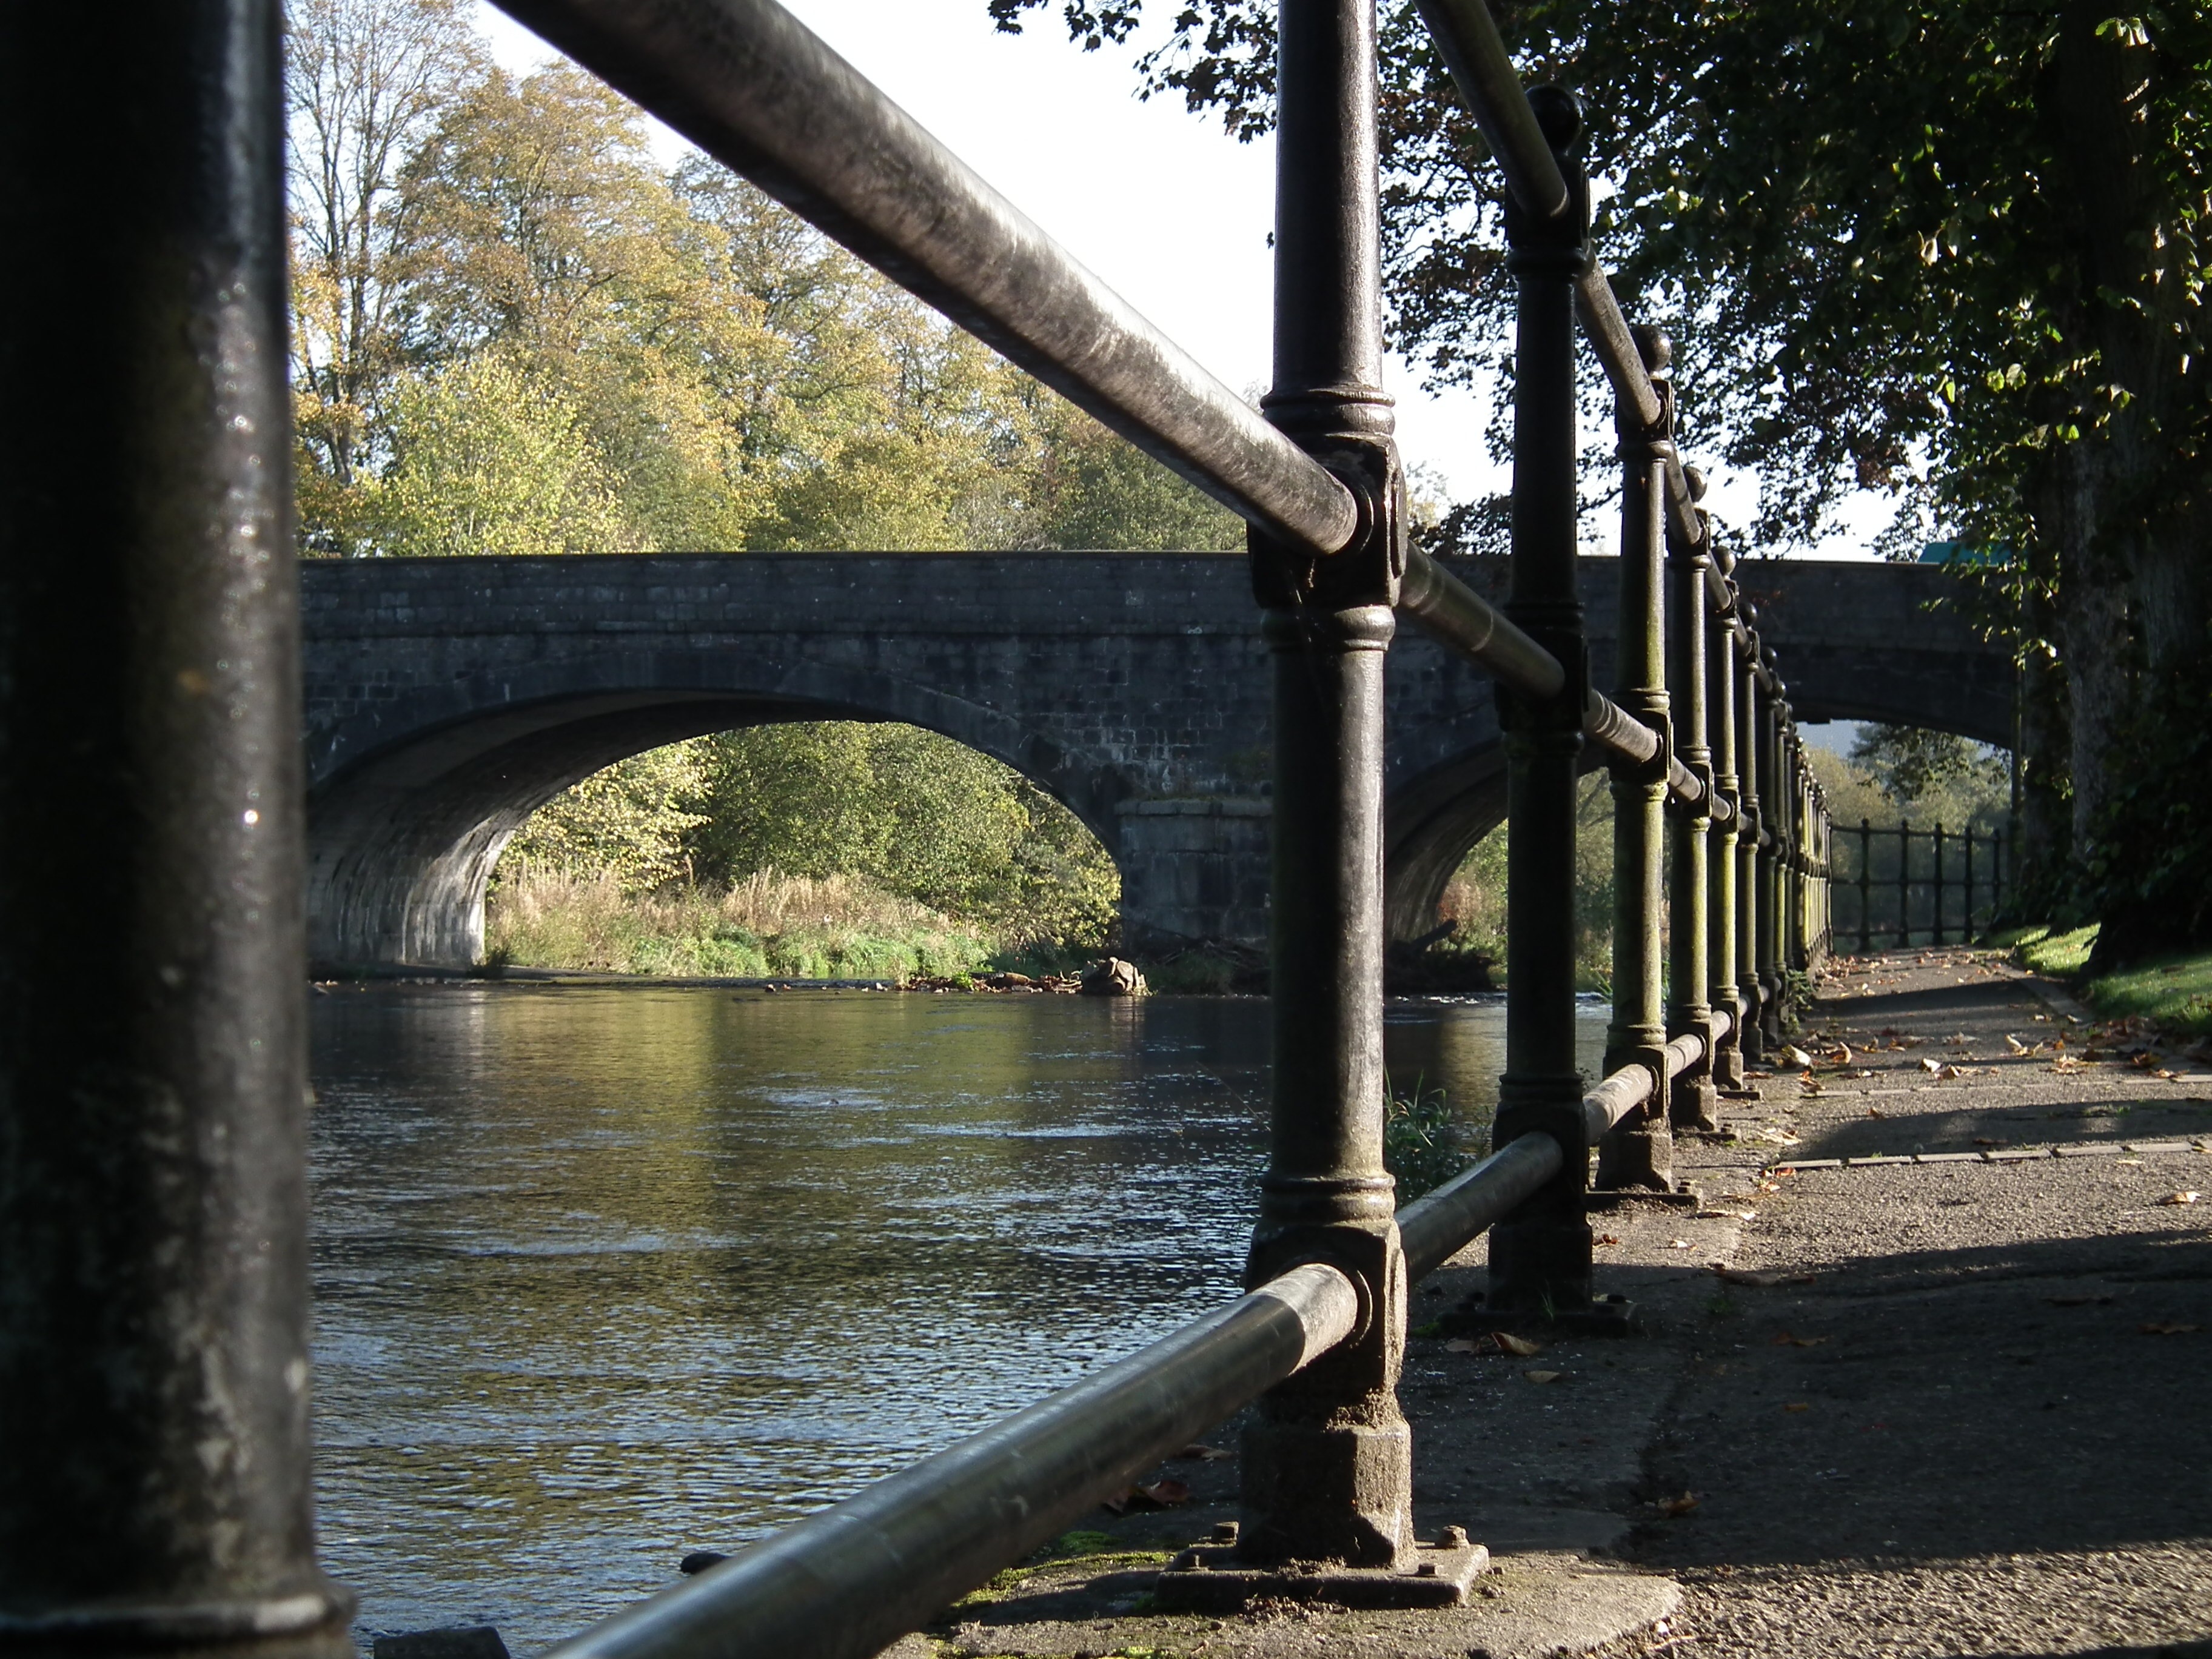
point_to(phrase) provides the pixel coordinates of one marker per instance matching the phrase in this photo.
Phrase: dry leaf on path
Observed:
(1678, 1243)
(1543, 1376)
(1681, 1506)
(1509, 1343)
(1935, 1067)
(2168, 1327)
(2181, 1198)
(1798, 1406)
(1796, 1056)
(1462, 1345)
(1160, 1495)
(1606, 1238)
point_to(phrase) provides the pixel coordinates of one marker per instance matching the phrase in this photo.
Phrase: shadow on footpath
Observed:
(2009, 1398)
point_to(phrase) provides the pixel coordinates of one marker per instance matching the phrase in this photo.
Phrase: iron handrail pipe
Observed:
(1434, 1229)
(846, 1583)
(1606, 723)
(1684, 1052)
(1456, 615)
(1467, 38)
(1621, 1093)
(754, 87)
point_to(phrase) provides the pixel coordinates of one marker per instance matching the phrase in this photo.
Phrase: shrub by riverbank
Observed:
(767, 926)
(2174, 992)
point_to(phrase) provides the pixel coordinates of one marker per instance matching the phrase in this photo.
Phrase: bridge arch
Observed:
(412, 802)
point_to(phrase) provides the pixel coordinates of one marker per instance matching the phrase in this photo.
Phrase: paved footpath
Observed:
(1955, 1403)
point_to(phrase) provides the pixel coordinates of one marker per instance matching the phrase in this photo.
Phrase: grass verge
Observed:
(2173, 993)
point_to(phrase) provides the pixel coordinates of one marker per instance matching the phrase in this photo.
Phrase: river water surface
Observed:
(607, 1275)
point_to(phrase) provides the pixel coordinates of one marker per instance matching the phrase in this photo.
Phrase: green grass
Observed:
(2173, 993)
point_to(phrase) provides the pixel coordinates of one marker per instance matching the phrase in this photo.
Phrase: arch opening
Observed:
(404, 835)
(804, 849)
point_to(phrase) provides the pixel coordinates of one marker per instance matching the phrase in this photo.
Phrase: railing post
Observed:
(1773, 850)
(1720, 948)
(1640, 1150)
(1689, 1099)
(1939, 881)
(1967, 846)
(152, 1061)
(1750, 726)
(1866, 887)
(1904, 881)
(1539, 1256)
(1327, 1471)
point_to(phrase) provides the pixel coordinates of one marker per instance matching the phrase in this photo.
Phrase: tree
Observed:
(364, 80)
(1951, 250)
(1090, 488)
(1908, 762)
(491, 459)
(629, 821)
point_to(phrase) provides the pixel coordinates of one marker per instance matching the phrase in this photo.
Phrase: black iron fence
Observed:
(152, 1234)
(1907, 886)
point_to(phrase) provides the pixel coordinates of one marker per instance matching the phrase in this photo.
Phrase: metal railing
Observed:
(1717, 820)
(1959, 864)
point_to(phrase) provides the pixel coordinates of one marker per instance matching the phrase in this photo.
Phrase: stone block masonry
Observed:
(447, 699)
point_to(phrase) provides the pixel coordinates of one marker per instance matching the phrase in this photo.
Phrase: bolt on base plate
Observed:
(1211, 1578)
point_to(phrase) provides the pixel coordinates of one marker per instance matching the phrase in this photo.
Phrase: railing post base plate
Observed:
(1214, 1579)
(1605, 1315)
(1327, 1473)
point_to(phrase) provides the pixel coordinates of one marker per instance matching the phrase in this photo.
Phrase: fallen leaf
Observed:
(1726, 1215)
(2181, 1198)
(1678, 1243)
(1509, 1343)
(1877, 1111)
(1798, 1406)
(2014, 1044)
(1809, 1084)
(1605, 1238)
(1166, 1494)
(1199, 1453)
(1984, 1141)
(1786, 1340)
(2167, 1327)
(1935, 1067)
(1543, 1376)
(1796, 1056)
(1462, 1345)
(1681, 1506)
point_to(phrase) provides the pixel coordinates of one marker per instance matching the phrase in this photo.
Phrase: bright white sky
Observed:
(1165, 207)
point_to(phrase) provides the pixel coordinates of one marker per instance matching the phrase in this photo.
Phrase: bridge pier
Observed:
(1193, 869)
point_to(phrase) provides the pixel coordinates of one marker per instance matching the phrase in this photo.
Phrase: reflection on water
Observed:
(605, 1275)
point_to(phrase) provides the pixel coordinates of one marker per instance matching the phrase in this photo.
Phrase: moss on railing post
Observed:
(1640, 1150)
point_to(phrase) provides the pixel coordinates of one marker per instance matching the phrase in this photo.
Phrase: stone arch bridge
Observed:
(447, 699)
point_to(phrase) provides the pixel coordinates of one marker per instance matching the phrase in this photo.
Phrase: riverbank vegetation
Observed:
(816, 849)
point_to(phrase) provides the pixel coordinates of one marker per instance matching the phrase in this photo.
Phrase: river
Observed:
(607, 1275)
